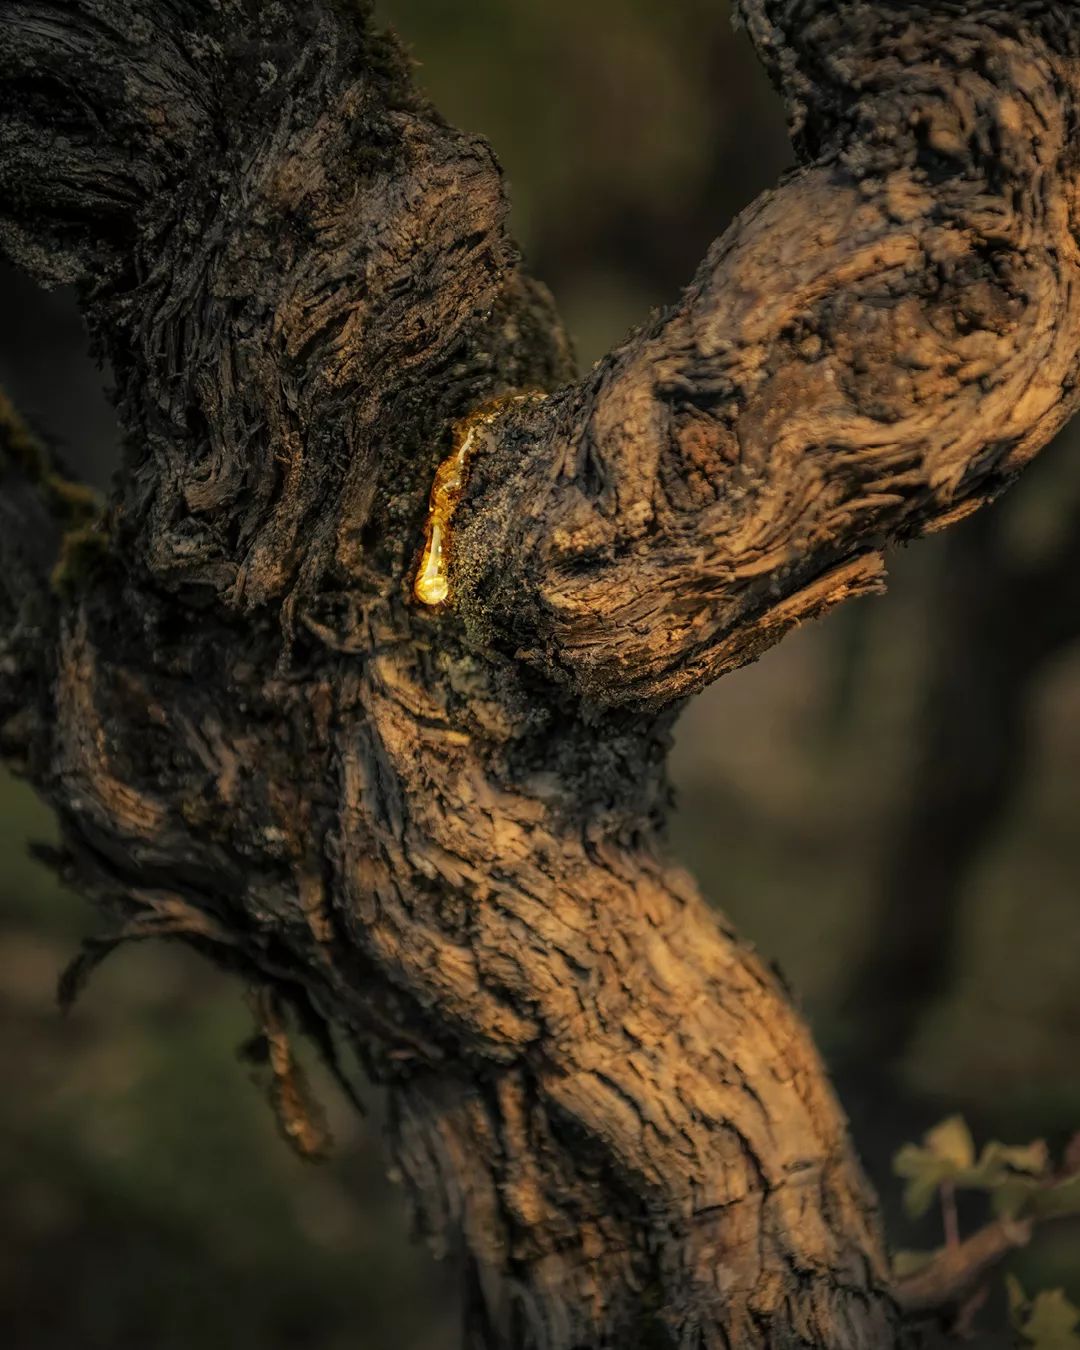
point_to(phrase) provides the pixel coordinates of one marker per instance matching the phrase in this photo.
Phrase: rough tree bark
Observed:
(441, 829)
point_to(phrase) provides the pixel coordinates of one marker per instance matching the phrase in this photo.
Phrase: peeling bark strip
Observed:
(441, 829)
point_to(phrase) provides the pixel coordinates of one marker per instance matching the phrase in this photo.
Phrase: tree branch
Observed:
(871, 351)
(237, 188)
(42, 513)
(955, 1272)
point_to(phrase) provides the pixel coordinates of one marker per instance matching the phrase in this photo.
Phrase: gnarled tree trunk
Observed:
(440, 828)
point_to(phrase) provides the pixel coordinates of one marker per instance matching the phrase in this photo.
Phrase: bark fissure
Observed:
(442, 829)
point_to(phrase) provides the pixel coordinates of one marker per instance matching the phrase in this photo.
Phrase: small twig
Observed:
(949, 1217)
(951, 1275)
(964, 1327)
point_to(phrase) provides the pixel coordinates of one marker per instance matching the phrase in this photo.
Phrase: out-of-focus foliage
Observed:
(1021, 1183)
(146, 1198)
(1046, 1322)
(1018, 1178)
(631, 133)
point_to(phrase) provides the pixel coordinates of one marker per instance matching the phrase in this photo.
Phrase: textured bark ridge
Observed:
(440, 829)
(871, 351)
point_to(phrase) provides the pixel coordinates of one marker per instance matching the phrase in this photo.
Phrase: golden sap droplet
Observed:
(432, 584)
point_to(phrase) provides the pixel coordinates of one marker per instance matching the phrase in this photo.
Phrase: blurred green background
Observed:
(886, 804)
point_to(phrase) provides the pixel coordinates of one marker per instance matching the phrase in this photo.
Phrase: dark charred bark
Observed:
(440, 829)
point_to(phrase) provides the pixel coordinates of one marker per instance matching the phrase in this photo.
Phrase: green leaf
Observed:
(1016, 1176)
(1048, 1322)
(1016, 1197)
(947, 1151)
(924, 1173)
(951, 1141)
(1029, 1159)
(1012, 1174)
(1052, 1322)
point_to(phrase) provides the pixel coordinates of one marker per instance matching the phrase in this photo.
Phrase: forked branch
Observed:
(870, 352)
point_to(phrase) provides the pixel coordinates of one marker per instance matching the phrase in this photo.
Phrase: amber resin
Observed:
(432, 584)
